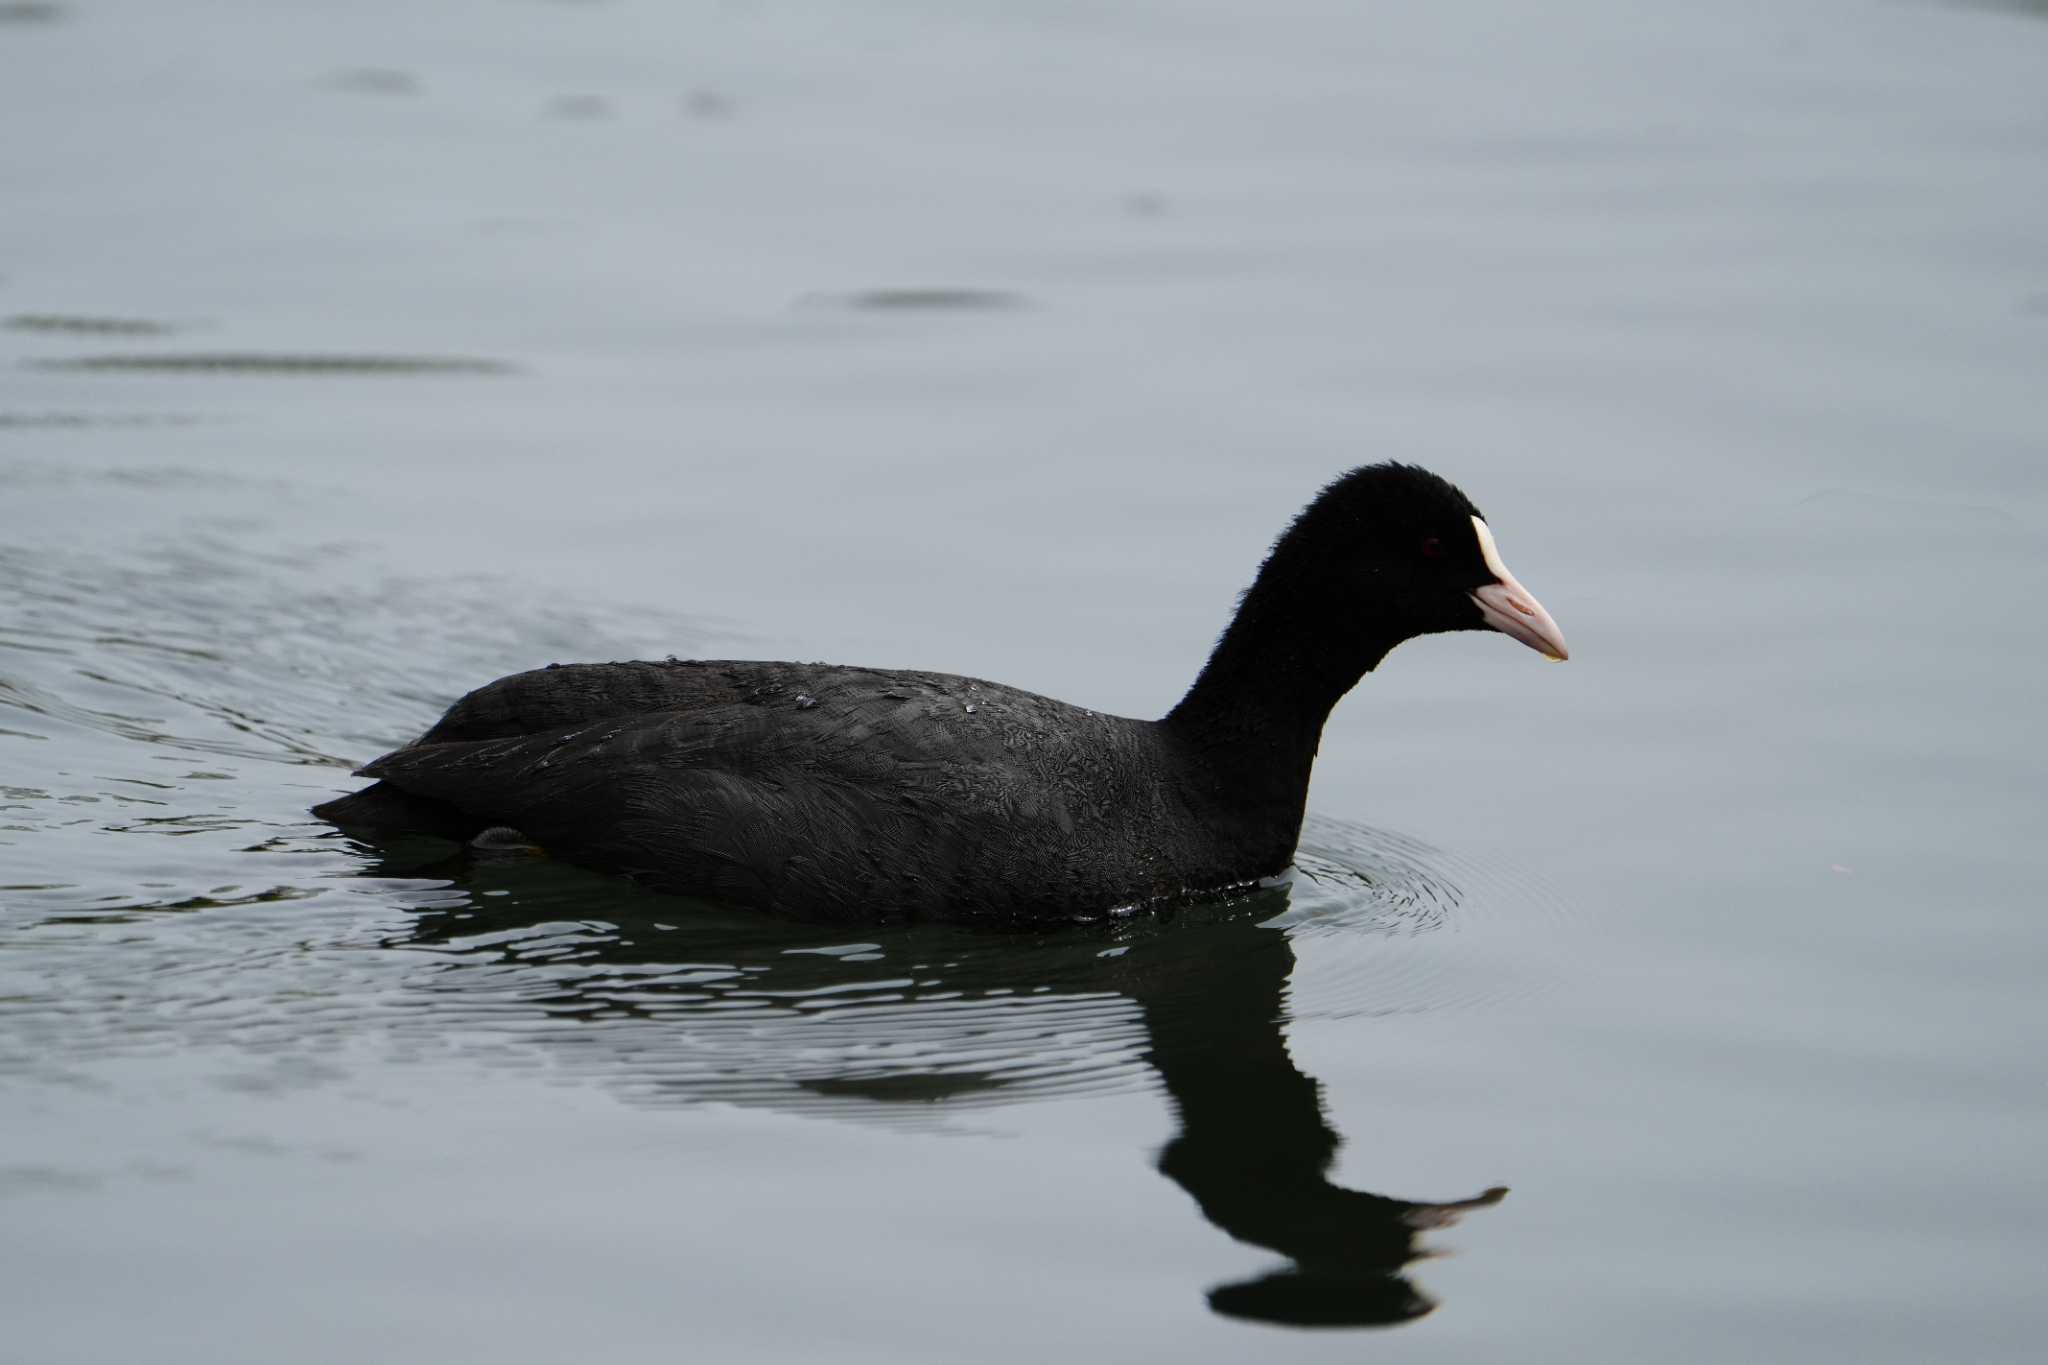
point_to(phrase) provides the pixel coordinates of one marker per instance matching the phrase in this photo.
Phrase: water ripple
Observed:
(167, 893)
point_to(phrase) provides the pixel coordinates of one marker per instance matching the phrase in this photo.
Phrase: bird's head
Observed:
(1406, 549)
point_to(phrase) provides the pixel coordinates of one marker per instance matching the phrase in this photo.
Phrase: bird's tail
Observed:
(383, 808)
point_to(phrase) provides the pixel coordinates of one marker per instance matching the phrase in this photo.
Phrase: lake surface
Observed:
(351, 356)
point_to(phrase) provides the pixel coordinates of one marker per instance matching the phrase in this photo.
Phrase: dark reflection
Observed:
(923, 1020)
(30, 12)
(1254, 1146)
(88, 326)
(255, 362)
(922, 299)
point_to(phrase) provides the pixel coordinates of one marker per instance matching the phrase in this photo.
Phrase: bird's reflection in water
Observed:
(677, 1002)
(1254, 1147)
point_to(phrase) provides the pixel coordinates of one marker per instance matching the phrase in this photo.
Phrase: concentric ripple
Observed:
(1386, 924)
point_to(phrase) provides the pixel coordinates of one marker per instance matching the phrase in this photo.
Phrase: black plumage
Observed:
(850, 793)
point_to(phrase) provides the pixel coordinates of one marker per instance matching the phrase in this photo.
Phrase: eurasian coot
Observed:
(861, 794)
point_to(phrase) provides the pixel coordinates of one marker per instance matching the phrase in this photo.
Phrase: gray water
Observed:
(351, 356)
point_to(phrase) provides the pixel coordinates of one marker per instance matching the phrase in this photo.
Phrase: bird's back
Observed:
(821, 790)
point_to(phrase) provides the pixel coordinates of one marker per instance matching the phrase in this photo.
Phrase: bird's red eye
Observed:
(1432, 547)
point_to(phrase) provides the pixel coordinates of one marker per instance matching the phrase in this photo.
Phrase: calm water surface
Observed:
(351, 356)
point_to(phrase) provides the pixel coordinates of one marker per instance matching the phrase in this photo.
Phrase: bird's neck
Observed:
(1255, 714)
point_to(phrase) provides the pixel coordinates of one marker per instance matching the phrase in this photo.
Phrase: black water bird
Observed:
(844, 793)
